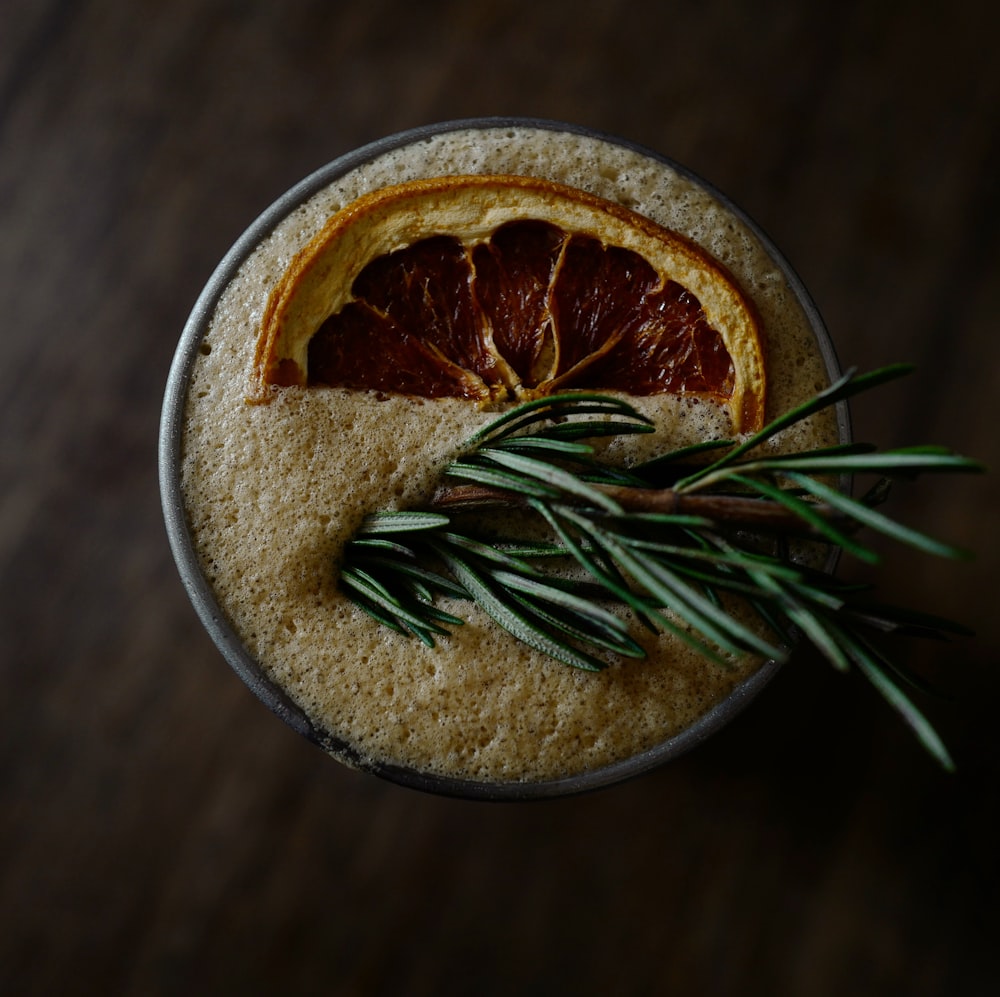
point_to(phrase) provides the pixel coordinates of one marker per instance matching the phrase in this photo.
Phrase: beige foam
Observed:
(273, 492)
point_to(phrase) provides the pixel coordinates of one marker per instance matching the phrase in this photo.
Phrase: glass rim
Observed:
(213, 617)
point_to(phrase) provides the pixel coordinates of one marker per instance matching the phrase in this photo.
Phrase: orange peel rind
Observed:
(320, 280)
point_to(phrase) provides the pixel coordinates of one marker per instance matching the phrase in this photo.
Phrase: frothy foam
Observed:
(273, 492)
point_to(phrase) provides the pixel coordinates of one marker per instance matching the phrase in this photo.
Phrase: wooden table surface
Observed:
(161, 832)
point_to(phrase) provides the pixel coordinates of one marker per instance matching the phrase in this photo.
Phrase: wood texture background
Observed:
(160, 832)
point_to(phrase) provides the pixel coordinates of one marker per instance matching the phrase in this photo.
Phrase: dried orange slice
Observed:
(502, 287)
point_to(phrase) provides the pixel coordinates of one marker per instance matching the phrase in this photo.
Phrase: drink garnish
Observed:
(685, 543)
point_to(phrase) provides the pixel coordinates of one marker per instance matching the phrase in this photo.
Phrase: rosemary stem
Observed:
(730, 510)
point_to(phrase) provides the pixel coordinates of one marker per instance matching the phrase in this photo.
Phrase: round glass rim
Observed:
(213, 617)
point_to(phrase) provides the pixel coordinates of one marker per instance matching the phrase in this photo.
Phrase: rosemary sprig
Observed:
(677, 542)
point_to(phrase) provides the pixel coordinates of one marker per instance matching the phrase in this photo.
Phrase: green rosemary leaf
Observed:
(621, 644)
(949, 460)
(522, 549)
(597, 474)
(875, 520)
(560, 596)
(670, 591)
(907, 622)
(658, 598)
(807, 621)
(370, 586)
(682, 455)
(819, 636)
(672, 521)
(380, 597)
(519, 578)
(834, 450)
(686, 557)
(416, 573)
(578, 616)
(900, 675)
(491, 552)
(717, 582)
(588, 554)
(495, 477)
(360, 599)
(712, 574)
(543, 444)
(808, 514)
(555, 477)
(370, 547)
(556, 407)
(514, 622)
(607, 576)
(587, 430)
(831, 600)
(433, 612)
(902, 462)
(848, 385)
(401, 521)
(774, 576)
(871, 667)
(575, 455)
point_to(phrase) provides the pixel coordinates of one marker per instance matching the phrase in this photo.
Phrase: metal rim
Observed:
(213, 617)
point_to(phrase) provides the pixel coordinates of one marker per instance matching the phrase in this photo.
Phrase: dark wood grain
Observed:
(161, 832)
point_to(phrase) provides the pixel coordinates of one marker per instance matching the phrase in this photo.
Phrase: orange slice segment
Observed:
(501, 287)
